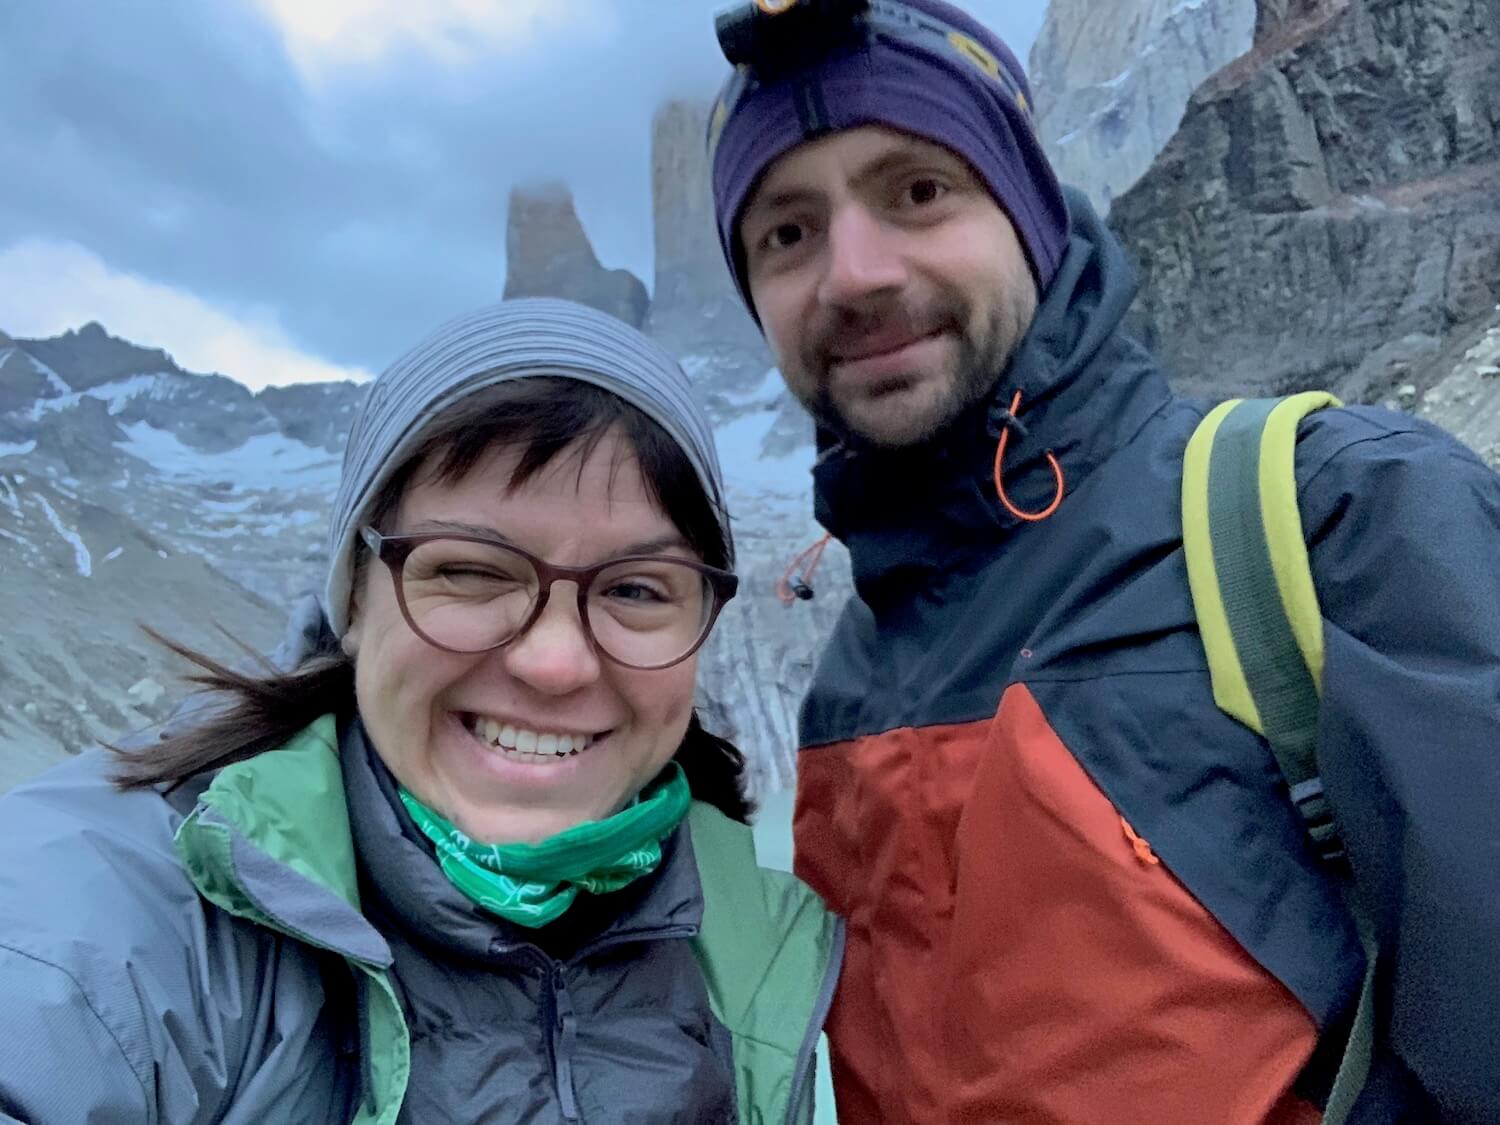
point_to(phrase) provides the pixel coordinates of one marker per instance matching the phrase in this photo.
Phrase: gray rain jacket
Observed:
(274, 943)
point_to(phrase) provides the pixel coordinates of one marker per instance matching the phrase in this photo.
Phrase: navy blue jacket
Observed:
(1077, 889)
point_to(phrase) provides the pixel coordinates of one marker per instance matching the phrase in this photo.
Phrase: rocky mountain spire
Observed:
(548, 254)
(696, 312)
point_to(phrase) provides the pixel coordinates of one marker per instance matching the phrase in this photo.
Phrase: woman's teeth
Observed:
(517, 740)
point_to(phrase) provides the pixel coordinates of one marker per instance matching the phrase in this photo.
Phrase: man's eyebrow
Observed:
(782, 199)
(876, 168)
(904, 160)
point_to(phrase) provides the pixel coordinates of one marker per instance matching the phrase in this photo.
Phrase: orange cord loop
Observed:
(1057, 473)
(797, 581)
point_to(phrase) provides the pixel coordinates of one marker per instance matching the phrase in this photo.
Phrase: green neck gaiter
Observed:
(533, 884)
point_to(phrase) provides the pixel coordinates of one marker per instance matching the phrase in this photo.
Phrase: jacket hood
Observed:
(1086, 388)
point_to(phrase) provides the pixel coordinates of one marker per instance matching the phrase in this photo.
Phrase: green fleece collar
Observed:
(290, 804)
(269, 840)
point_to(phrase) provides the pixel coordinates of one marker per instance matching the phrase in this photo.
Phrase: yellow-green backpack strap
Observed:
(1262, 629)
(1252, 586)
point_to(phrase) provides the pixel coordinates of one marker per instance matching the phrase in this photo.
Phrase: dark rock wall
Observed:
(1328, 212)
(319, 414)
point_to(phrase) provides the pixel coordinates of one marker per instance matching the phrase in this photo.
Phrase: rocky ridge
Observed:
(109, 521)
(1326, 215)
(695, 310)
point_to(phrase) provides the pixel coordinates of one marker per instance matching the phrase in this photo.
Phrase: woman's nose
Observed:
(556, 655)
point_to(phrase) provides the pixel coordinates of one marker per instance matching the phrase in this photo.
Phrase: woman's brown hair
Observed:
(250, 711)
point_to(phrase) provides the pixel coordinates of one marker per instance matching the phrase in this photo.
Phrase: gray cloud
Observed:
(177, 141)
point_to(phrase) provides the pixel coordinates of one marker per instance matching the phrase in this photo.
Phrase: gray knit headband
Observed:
(512, 340)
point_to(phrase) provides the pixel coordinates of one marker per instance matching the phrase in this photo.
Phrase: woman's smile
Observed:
(521, 741)
(527, 741)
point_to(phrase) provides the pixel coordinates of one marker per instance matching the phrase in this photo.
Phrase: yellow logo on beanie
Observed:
(975, 52)
(716, 123)
(980, 55)
(728, 98)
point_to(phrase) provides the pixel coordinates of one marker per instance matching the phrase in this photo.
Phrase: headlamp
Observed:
(769, 39)
(771, 36)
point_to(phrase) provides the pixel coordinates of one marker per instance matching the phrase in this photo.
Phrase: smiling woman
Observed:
(466, 845)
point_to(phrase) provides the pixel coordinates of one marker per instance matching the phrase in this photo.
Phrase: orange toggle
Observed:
(1030, 517)
(803, 568)
(1142, 849)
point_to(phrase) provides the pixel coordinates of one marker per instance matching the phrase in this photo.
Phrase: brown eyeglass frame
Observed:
(394, 550)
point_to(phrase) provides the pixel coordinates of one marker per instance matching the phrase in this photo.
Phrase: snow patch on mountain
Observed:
(116, 395)
(81, 557)
(743, 441)
(265, 461)
(747, 469)
(765, 393)
(54, 380)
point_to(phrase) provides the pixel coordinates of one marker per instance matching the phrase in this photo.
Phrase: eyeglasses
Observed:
(467, 593)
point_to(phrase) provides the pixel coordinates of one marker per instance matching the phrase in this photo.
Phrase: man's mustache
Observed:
(850, 334)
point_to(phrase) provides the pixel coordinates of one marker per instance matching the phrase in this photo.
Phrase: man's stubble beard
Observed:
(981, 362)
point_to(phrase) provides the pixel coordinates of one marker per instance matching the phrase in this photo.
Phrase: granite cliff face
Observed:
(1327, 214)
(549, 255)
(1112, 78)
(695, 310)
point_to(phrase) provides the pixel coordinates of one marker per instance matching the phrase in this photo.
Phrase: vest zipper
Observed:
(561, 1019)
(564, 1037)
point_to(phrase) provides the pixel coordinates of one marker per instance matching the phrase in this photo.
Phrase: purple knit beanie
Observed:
(965, 91)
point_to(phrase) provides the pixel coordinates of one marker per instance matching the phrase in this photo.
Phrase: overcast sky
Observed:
(300, 189)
